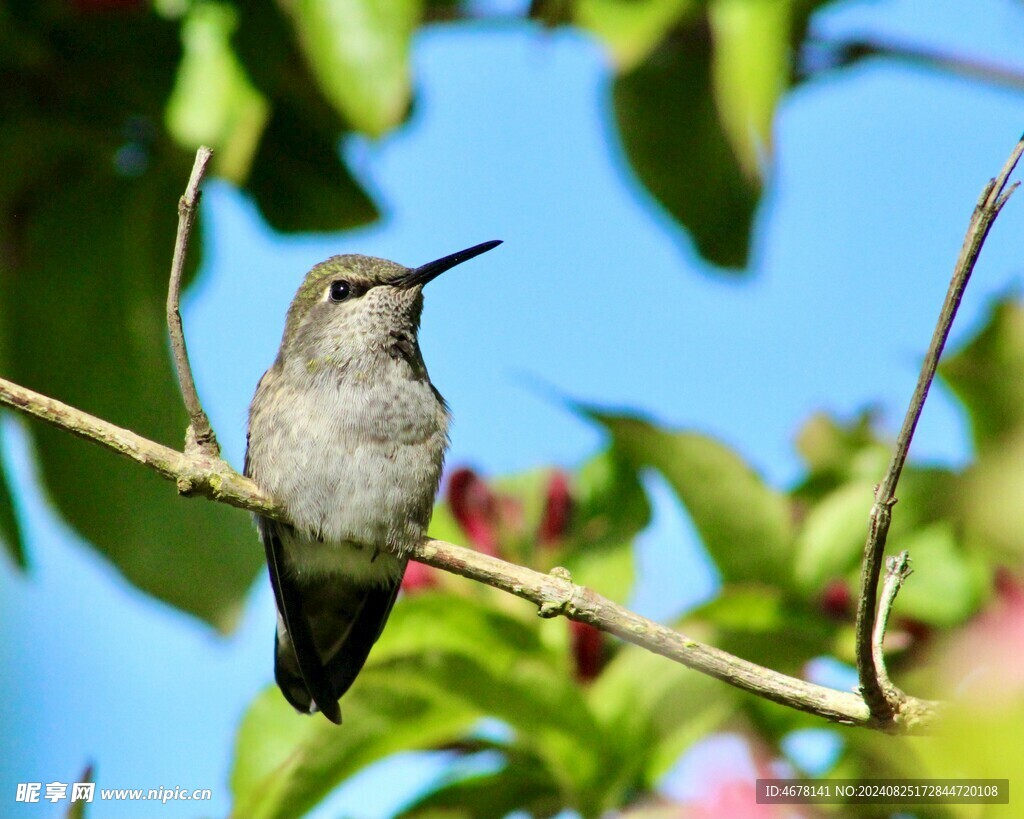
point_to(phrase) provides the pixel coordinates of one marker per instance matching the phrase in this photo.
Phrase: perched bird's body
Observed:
(348, 435)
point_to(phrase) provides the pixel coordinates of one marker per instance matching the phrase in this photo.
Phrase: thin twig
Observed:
(200, 436)
(194, 474)
(841, 53)
(554, 594)
(993, 197)
(897, 570)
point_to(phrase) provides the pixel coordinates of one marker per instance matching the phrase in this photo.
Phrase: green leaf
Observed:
(744, 524)
(284, 760)
(989, 502)
(673, 136)
(751, 70)
(654, 709)
(10, 530)
(286, 763)
(521, 785)
(841, 451)
(443, 663)
(759, 622)
(90, 330)
(358, 51)
(611, 504)
(610, 570)
(631, 29)
(213, 102)
(985, 375)
(831, 539)
(945, 587)
(299, 181)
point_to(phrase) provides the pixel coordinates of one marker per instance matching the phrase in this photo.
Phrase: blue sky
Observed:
(594, 295)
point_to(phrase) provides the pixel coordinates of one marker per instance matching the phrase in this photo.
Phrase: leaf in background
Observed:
(831, 538)
(213, 102)
(744, 524)
(989, 502)
(610, 510)
(655, 709)
(443, 663)
(88, 226)
(985, 375)
(758, 622)
(839, 451)
(946, 587)
(750, 70)
(358, 51)
(286, 763)
(89, 330)
(631, 29)
(674, 139)
(299, 181)
(10, 530)
(521, 786)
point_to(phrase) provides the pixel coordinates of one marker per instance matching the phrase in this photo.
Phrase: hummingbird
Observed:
(348, 435)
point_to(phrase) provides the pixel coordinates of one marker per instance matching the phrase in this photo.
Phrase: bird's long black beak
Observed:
(431, 270)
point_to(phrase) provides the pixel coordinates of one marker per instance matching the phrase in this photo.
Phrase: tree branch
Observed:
(200, 436)
(554, 594)
(897, 570)
(841, 53)
(200, 471)
(886, 705)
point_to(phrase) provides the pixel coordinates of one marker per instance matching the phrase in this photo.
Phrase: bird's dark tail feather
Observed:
(330, 626)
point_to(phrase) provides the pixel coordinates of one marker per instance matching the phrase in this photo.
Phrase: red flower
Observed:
(475, 509)
(554, 523)
(587, 650)
(419, 577)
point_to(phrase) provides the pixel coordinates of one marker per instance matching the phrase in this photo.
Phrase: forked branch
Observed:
(885, 705)
(199, 470)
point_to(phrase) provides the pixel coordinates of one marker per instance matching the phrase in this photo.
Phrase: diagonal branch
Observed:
(200, 471)
(554, 594)
(200, 436)
(993, 197)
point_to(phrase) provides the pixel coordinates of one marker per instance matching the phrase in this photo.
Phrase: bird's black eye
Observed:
(340, 290)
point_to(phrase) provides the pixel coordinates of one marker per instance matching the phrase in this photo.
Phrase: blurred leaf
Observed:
(945, 587)
(10, 530)
(631, 29)
(744, 524)
(285, 763)
(611, 504)
(673, 137)
(213, 102)
(830, 541)
(758, 622)
(284, 760)
(546, 710)
(299, 181)
(522, 785)
(610, 570)
(750, 70)
(749, 607)
(77, 809)
(655, 709)
(985, 375)
(989, 501)
(358, 51)
(842, 450)
(90, 331)
(443, 663)
(443, 623)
